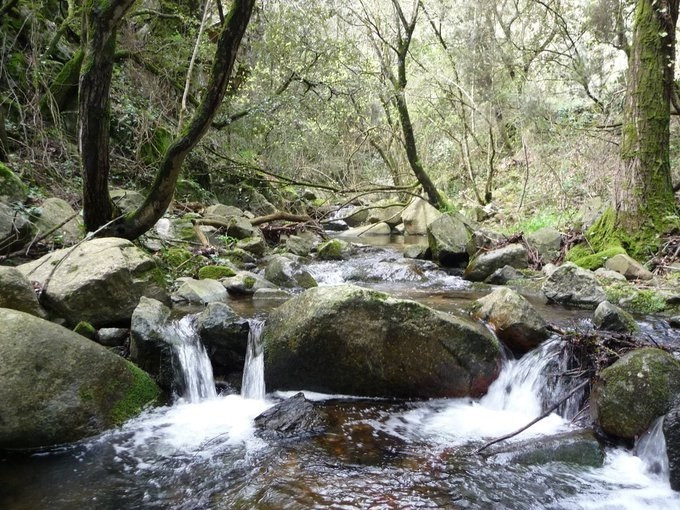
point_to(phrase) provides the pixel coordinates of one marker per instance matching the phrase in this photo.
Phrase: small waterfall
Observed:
(651, 449)
(194, 364)
(252, 385)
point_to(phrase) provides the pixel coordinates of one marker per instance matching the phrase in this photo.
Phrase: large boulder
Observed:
(628, 267)
(484, 265)
(346, 339)
(288, 273)
(356, 216)
(56, 212)
(448, 237)
(100, 281)
(418, 215)
(630, 394)
(225, 337)
(612, 318)
(547, 242)
(302, 244)
(569, 284)
(16, 292)
(58, 387)
(516, 322)
(671, 432)
(385, 211)
(126, 200)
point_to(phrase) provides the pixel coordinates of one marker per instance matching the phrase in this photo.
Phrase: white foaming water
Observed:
(252, 384)
(651, 448)
(512, 401)
(194, 363)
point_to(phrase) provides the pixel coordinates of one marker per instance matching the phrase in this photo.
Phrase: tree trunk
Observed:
(644, 194)
(101, 24)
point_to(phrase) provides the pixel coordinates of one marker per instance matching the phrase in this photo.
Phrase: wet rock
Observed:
(16, 292)
(346, 339)
(516, 322)
(628, 267)
(569, 284)
(336, 226)
(58, 387)
(674, 322)
(634, 391)
(504, 275)
(609, 275)
(255, 245)
(302, 244)
(335, 249)
(225, 336)
(417, 251)
(418, 215)
(100, 281)
(579, 448)
(612, 318)
(448, 238)
(246, 283)
(671, 432)
(295, 417)
(150, 346)
(547, 242)
(199, 291)
(288, 273)
(54, 212)
(126, 200)
(112, 337)
(482, 266)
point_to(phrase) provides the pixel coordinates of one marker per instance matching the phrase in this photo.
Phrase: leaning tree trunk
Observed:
(101, 23)
(644, 194)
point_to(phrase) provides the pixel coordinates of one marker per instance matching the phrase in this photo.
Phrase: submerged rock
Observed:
(335, 249)
(58, 387)
(16, 292)
(482, 266)
(634, 391)
(293, 418)
(288, 273)
(671, 432)
(448, 238)
(346, 339)
(100, 281)
(612, 318)
(569, 284)
(580, 448)
(516, 322)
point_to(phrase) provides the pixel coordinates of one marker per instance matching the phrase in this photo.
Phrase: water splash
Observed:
(194, 365)
(252, 385)
(651, 448)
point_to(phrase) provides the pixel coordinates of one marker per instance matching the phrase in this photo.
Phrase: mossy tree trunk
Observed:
(97, 205)
(644, 195)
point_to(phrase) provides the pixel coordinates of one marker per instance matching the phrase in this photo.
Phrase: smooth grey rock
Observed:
(448, 238)
(302, 244)
(126, 200)
(59, 387)
(151, 342)
(628, 267)
(515, 321)
(200, 291)
(608, 274)
(385, 211)
(482, 266)
(100, 281)
(356, 217)
(417, 251)
(246, 283)
(224, 211)
(351, 340)
(287, 273)
(112, 337)
(503, 275)
(547, 242)
(570, 284)
(54, 212)
(16, 292)
(612, 318)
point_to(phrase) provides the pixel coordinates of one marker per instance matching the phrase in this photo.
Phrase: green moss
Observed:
(85, 329)
(332, 250)
(215, 272)
(249, 282)
(10, 185)
(174, 257)
(597, 260)
(141, 392)
(640, 301)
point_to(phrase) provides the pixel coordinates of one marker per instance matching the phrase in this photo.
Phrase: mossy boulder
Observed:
(334, 249)
(16, 292)
(484, 265)
(84, 328)
(633, 392)
(245, 283)
(288, 273)
(215, 272)
(515, 321)
(569, 284)
(612, 318)
(255, 245)
(100, 281)
(11, 187)
(347, 339)
(59, 387)
(448, 237)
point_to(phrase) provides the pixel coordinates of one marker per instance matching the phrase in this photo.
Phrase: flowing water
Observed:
(203, 451)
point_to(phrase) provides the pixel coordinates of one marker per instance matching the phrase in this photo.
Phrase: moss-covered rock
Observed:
(633, 299)
(11, 187)
(634, 391)
(612, 318)
(569, 284)
(288, 273)
(334, 249)
(59, 387)
(346, 339)
(255, 245)
(84, 328)
(215, 272)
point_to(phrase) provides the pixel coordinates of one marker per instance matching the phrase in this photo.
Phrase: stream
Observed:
(203, 451)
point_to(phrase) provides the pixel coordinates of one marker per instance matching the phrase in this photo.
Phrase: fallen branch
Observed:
(535, 421)
(280, 215)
